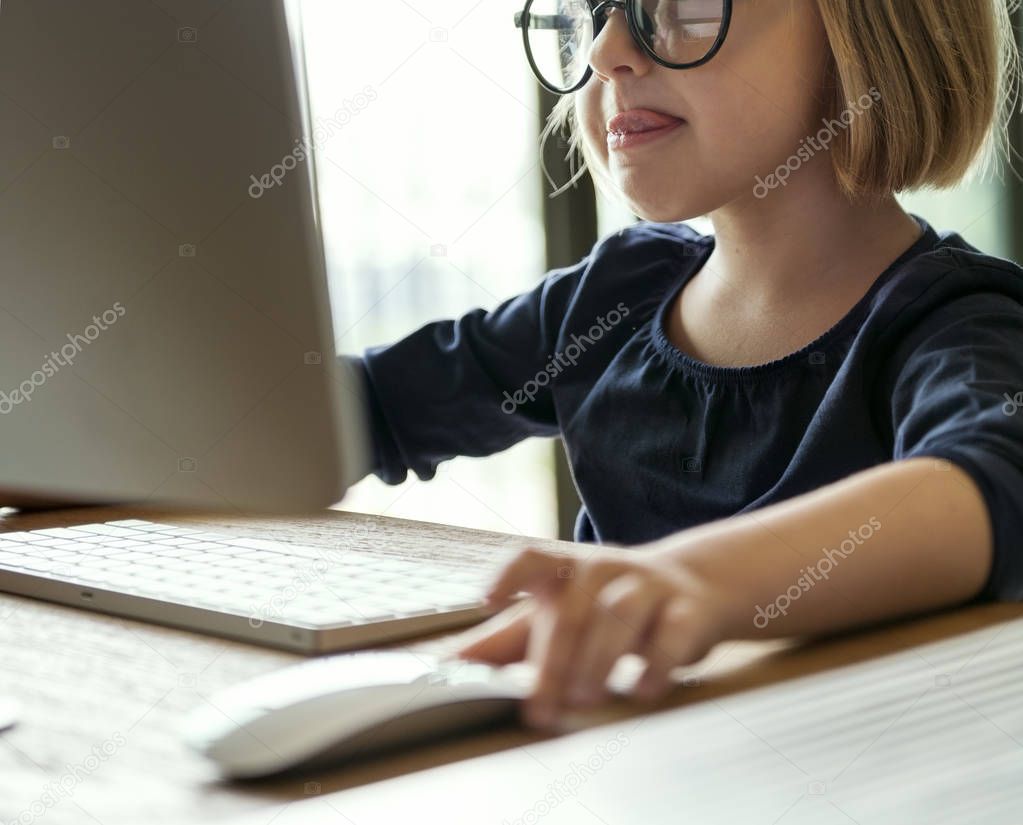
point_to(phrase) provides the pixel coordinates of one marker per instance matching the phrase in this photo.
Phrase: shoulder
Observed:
(951, 309)
(952, 284)
(649, 240)
(636, 264)
(629, 250)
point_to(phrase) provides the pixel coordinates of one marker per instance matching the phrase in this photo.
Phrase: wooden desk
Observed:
(98, 739)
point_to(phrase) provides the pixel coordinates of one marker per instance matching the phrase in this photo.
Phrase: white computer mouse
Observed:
(346, 706)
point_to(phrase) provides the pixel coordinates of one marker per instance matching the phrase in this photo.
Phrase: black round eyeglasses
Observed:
(558, 34)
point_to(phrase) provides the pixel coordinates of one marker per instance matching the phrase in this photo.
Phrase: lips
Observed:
(635, 121)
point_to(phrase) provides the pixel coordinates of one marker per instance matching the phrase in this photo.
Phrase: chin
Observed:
(687, 200)
(667, 211)
(668, 196)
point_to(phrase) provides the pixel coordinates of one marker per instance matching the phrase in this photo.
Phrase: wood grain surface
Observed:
(102, 697)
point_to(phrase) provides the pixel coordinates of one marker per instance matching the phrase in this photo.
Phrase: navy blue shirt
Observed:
(929, 362)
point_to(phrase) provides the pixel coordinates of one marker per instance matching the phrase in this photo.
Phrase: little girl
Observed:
(809, 420)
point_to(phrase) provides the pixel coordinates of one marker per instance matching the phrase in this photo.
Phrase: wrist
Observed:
(724, 596)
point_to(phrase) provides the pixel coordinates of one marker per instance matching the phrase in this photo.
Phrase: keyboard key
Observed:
(21, 537)
(174, 531)
(56, 533)
(109, 530)
(131, 522)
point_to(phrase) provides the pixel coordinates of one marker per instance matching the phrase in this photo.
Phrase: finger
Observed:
(501, 639)
(532, 570)
(676, 640)
(554, 640)
(539, 708)
(626, 607)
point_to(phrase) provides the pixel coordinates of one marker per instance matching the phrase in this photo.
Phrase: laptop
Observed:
(166, 327)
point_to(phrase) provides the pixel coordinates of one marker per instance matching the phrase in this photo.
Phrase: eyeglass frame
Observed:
(599, 19)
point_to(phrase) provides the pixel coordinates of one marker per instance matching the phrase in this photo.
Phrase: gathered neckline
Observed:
(749, 372)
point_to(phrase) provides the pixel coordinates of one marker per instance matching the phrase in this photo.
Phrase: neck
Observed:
(802, 240)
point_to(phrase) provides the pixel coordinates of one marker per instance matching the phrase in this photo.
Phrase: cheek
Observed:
(743, 127)
(590, 112)
(765, 95)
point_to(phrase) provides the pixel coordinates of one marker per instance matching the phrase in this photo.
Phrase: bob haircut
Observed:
(946, 73)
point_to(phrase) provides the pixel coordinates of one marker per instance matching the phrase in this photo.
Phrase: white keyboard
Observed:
(288, 595)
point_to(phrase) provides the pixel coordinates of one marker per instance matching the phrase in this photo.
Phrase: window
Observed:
(977, 211)
(426, 126)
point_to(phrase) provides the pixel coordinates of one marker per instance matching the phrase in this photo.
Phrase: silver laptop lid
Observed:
(164, 321)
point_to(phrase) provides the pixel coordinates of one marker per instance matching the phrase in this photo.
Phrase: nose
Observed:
(614, 49)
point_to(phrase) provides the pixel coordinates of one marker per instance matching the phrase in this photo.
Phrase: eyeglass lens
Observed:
(560, 33)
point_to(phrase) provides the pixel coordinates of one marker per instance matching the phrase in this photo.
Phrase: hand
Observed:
(585, 613)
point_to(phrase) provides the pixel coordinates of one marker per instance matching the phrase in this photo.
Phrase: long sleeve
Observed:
(471, 386)
(957, 396)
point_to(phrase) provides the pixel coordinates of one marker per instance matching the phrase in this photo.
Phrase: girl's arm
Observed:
(936, 526)
(897, 539)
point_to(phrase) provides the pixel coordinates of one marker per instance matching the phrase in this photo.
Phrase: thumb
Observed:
(502, 638)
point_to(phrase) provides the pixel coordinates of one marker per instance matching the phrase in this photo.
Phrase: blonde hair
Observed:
(946, 75)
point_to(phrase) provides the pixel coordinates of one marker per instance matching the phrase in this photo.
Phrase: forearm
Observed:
(900, 538)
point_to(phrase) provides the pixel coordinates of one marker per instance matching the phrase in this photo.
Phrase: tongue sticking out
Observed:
(640, 120)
